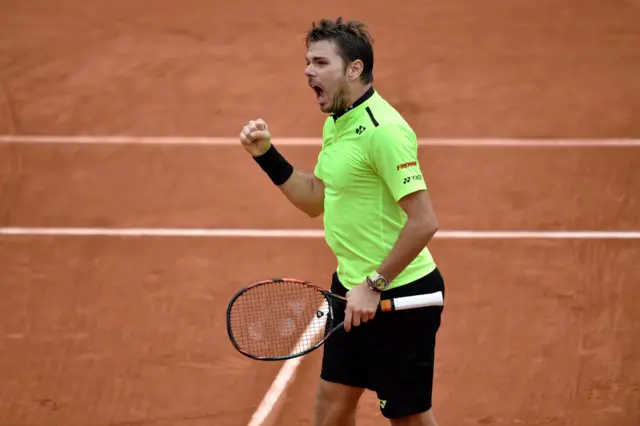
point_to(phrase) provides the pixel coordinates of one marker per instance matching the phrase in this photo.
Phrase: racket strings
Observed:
(279, 319)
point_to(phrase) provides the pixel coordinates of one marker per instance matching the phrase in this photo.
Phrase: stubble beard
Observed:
(340, 101)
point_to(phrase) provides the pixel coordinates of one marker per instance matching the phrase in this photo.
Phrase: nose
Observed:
(309, 71)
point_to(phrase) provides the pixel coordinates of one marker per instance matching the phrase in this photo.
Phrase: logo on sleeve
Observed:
(405, 165)
(411, 178)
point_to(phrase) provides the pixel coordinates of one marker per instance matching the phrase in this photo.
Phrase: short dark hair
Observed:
(353, 40)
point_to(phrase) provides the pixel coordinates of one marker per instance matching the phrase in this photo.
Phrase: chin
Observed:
(326, 108)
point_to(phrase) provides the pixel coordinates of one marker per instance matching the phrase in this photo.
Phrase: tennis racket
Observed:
(283, 318)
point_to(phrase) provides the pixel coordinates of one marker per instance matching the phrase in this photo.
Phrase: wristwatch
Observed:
(378, 283)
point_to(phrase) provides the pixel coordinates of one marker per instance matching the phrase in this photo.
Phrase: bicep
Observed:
(305, 185)
(318, 187)
(419, 207)
(316, 179)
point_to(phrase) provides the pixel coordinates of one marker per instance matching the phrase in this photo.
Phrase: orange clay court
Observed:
(130, 330)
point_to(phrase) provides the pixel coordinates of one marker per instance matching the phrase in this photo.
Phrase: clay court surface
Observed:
(130, 330)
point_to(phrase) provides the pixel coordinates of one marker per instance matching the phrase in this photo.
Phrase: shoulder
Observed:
(388, 122)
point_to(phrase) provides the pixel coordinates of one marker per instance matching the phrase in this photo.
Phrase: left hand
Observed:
(362, 303)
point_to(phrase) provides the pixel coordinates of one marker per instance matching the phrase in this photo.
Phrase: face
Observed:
(328, 77)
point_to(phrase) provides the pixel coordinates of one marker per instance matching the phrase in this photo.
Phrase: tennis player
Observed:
(378, 220)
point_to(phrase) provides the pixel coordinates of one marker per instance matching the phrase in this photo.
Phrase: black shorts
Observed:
(392, 355)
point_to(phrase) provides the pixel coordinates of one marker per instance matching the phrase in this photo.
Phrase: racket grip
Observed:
(412, 302)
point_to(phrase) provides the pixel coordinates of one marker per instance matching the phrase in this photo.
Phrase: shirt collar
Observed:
(362, 99)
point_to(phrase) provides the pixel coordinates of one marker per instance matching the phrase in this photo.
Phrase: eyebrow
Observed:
(315, 58)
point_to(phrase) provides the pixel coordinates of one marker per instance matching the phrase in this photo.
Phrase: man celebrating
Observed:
(378, 220)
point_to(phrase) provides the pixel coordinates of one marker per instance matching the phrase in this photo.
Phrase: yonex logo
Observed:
(360, 129)
(410, 178)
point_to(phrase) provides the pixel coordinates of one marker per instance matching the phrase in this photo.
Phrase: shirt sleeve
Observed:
(394, 156)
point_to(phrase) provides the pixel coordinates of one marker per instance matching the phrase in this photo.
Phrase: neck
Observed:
(356, 98)
(358, 91)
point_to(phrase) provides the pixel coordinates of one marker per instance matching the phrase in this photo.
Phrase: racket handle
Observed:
(412, 302)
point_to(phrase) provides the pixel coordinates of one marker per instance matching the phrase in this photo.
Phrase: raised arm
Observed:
(303, 189)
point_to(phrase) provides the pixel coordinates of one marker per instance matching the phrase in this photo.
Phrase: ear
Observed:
(355, 70)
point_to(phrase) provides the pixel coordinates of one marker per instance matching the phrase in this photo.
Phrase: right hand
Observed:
(255, 137)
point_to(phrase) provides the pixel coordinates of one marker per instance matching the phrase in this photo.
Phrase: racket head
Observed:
(281, 318)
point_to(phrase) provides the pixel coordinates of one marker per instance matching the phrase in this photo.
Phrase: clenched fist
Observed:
(255, 137)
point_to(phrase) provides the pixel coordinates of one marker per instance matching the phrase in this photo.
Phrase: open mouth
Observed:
(319, 91)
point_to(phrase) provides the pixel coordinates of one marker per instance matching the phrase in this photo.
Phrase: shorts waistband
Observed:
(429, 283)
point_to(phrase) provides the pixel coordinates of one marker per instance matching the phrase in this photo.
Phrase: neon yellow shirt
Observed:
(368, 161)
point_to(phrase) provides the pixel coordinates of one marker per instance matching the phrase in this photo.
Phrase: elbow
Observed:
(313, 213)
(434, 231)
(433, 224)
(426, 228)
(430, 229)
(310, 210)
(313, 209)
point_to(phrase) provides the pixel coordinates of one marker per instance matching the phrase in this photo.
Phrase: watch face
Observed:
(380, 283)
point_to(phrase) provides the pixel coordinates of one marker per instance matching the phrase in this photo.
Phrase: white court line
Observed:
(287, 372)
(304, 141)
(302, 233)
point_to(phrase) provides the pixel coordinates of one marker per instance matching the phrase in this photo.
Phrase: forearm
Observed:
(414, 237)
(302, 189)
(303, 192)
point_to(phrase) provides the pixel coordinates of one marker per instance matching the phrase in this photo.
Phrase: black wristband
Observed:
(275, 165)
